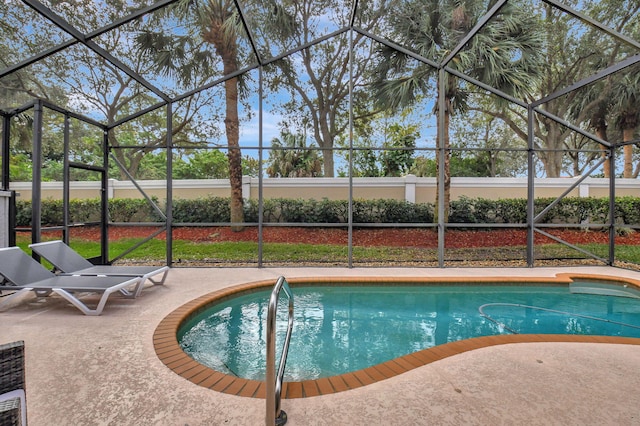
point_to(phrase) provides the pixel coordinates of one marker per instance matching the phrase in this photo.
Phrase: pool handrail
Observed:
(275, 415)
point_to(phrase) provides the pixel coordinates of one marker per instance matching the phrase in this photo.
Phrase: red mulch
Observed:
(390, 237)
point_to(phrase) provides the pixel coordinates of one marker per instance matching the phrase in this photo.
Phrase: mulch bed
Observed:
(499, 247)
(390, 237)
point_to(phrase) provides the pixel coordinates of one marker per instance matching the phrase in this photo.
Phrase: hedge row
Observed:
(87, 211)
(282, 210)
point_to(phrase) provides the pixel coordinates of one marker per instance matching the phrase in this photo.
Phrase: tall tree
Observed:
(573, 50)
(213, 23)
(81, 80)
(488, 144)
(318, 78)
(622, 89)
(593, 106)
(606, 104)
(626, 95)
(381, 145)
(397, 157)
(503, 54)
(290, 157)
(16, 45)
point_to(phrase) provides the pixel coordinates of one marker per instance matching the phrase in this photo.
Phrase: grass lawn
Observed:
(287, 253)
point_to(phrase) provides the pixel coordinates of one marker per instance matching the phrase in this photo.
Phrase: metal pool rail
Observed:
(275, 415)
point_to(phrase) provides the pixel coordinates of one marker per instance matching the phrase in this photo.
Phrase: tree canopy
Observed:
(488, 76)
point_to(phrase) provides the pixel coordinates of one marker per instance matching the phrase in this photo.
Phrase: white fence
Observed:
(409, 188)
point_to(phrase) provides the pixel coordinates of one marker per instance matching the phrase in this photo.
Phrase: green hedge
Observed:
(568, 210)
(284, 210)
(391, 211)
(201, 210)
(88, 210)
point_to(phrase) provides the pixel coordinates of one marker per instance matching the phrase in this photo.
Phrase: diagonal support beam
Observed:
(75, 33)
(571, 188)
(568, 244)
(589, 80)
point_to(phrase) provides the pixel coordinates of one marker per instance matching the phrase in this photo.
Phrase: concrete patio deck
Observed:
(104, 371)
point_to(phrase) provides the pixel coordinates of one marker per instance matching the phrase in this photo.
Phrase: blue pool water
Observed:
(341, 329)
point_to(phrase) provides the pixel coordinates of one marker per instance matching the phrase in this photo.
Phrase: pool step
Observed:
(605, 289)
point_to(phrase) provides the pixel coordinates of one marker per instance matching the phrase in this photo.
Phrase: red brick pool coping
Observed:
(171, 354)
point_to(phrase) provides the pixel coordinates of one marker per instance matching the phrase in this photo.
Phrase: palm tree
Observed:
(593, 105)
(626, 95)
(319, 77)
(504, 54)
(611, 100)
(185, 56)
(290, 157)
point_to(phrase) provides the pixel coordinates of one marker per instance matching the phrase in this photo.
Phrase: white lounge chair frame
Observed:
(25, 274)
(68, 261)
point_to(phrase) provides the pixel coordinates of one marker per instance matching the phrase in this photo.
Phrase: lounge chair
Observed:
(13, 399)
(68, 261)
(23, 274)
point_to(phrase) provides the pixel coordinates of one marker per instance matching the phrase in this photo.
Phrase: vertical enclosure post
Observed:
(530, 187)
(350, 203)
(260, 165)
(11, 205)
(36, 175)
(66, 184)
(6, 133)
(612, 205)
(441, 161)
(104, 199)
(169, 203)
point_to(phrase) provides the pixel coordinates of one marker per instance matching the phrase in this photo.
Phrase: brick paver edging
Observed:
(171, 354)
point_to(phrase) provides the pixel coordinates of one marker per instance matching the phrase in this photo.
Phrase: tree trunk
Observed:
(627, 135)
(552, 163)
(325, 142)
(447, 163)
(552, 159)
(327, 161)
(446, 195)
(118, 153)
(601, 132)
(232, 127)
(228, 51)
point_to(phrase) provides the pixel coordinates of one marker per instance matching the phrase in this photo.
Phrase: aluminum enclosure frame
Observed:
(78, 37)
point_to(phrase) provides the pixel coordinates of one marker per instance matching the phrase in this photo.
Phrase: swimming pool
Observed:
(345, 328)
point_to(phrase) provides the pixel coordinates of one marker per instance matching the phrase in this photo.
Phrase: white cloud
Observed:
(250, 131)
